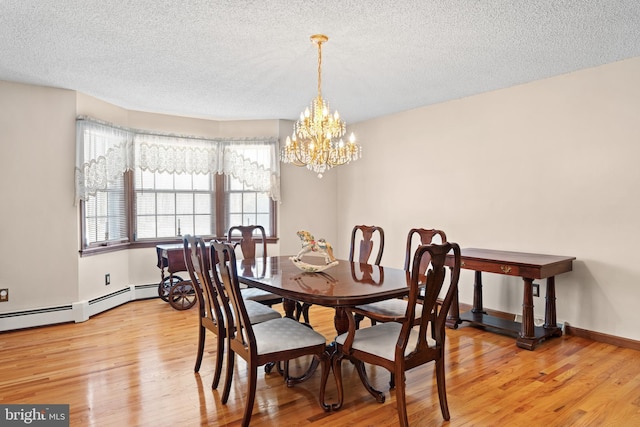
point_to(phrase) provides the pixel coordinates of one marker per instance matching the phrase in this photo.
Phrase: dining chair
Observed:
(389, 310)
(211, 315)
(367, 243)
(250, 238)
(402, 345)
(362, 252)
(393, 309)
(248, 247)
(281, 339)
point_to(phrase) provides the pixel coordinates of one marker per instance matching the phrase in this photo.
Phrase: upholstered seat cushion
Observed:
(391, 307)
(259, 313)
(284, 334)
(381, 339)
(256, 294)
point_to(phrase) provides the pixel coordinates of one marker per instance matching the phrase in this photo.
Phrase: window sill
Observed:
(97, 250)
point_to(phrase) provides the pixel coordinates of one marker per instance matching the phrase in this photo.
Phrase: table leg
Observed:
(289, 308)
(527, 336)
(550, 305)
(341, 321)
(453, 318)
(477, 294)
(550, 320)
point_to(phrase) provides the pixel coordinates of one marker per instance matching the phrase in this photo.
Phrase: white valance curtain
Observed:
(105, 151)
(103, 154)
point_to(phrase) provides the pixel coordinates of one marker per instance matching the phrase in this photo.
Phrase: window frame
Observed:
(123, 239)
(219, 223)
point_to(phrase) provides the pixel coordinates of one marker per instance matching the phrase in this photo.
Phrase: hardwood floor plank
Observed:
(133, 365)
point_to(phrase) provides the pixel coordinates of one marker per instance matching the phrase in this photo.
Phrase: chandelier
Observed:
(317, 136)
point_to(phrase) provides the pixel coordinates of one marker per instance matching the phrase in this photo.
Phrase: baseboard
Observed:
(83, 310)
(571, 330)
(79, 311)
(603, 338)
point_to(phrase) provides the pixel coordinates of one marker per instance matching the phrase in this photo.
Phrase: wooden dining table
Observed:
(346, 284)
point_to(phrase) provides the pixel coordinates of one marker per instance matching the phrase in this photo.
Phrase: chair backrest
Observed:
(435, 284)
(367, 243)
(248, 239)
(196, 258)
(426, 237)
(226, 276)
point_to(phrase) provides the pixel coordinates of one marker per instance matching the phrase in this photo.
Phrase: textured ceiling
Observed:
(253, 59)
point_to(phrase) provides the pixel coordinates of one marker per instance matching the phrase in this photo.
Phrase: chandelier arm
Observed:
(326, 153)
(298, 161)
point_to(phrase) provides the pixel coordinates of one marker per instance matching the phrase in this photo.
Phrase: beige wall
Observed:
(308, 202)
(547, 167)
(38, 235)
(550, 167)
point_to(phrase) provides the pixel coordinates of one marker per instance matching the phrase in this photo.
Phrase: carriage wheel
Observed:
(182, 296)
(165, 286)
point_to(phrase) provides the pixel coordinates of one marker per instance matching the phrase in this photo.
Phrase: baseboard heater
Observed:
(77, 312)
(34, 312)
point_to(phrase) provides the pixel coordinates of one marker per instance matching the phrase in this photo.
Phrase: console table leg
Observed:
(527, 336)
(550, 320)
(453, 317)
(477, 294)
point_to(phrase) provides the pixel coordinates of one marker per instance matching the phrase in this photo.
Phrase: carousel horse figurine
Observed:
(310, 244)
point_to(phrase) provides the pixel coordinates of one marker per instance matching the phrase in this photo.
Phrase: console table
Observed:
(525, 265)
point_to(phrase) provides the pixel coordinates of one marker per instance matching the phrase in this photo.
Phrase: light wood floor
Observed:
(133, 366)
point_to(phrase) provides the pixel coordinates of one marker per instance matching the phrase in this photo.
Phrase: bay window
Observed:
(138, 186)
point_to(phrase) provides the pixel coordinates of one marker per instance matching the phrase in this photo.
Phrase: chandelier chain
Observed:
(319, 69)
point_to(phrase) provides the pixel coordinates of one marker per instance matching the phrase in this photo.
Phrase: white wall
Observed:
(548, 167)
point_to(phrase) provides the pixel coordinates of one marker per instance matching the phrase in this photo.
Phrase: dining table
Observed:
(345, 284)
